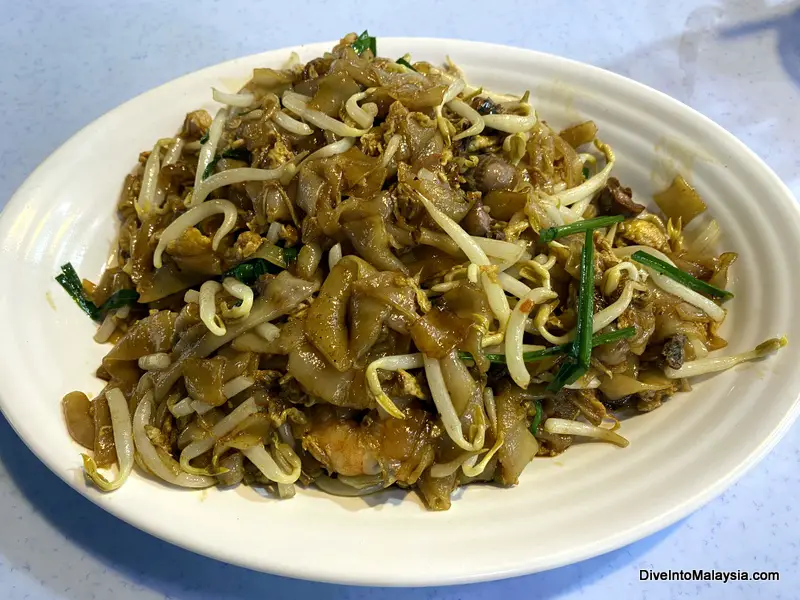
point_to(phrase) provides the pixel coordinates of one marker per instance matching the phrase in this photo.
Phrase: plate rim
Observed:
(300, 569)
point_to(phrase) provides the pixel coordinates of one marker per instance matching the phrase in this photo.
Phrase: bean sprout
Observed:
(239, 175)
(462, 109)
(191, 218)
(240, 100)
(354, 111)
(444, 404)
(671, 286)
(515, 330)
(123, 443)
(714, 364)
(208, 307)
(567, 427)
(494, 293)
(161, 465)
(290, 124)
(298, 105)
(239, 290)
(262, 459)
(390, 363)
(154, 362)
(334, 255)
(209, 149)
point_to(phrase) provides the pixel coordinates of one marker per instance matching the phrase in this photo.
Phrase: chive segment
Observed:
(537, 418)
(69, 280)
(402, 61)
(552, 233)
(681, 277)
(537, 355)
(580, 351)
(365, 41)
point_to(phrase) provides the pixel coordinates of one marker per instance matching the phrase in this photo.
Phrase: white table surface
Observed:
(66, 63)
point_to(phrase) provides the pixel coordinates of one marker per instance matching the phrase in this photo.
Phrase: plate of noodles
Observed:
(340, 311)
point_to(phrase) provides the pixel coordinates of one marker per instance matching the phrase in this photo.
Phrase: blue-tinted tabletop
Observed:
(66, 63)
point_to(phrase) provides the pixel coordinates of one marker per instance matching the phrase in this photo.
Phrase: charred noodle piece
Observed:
(680, 276)
(553, 233)
(282, 295)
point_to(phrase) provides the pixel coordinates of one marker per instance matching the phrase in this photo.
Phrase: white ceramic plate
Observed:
(590, 500)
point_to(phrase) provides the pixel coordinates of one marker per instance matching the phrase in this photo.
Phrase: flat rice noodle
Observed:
(367, 315)
(105, 453)
(420, 135)
(152, 334)
(466, 301)
(292, 334)
(332, 91)
(237, 363)
(519, 445)
(166, 281)
(393, 290)
(438, 332)
(406, 441)
(204, 378)
(504, 204)
(281, 295)
(318, 378)
(326, 320)
(143, 244)
(363, 175)
(680, 201)
(430, 262)
(465, 392)
(371, 241)
(451, 202)
(78, 416)
(414, 93)
(436, 491)
(579, 134)
(310, 190)
(192, 253)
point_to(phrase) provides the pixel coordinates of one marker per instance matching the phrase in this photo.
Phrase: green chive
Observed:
(552, 233)
(251, 270)
(580, 352)
(537, 418)
(209, 170)
(583, 336)
(681, 277)
(240, 153)
(70, 281)
(204, 139)
(402, 61)
(365, 41)
(289, 254)
(536, 355)
(586, 172)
